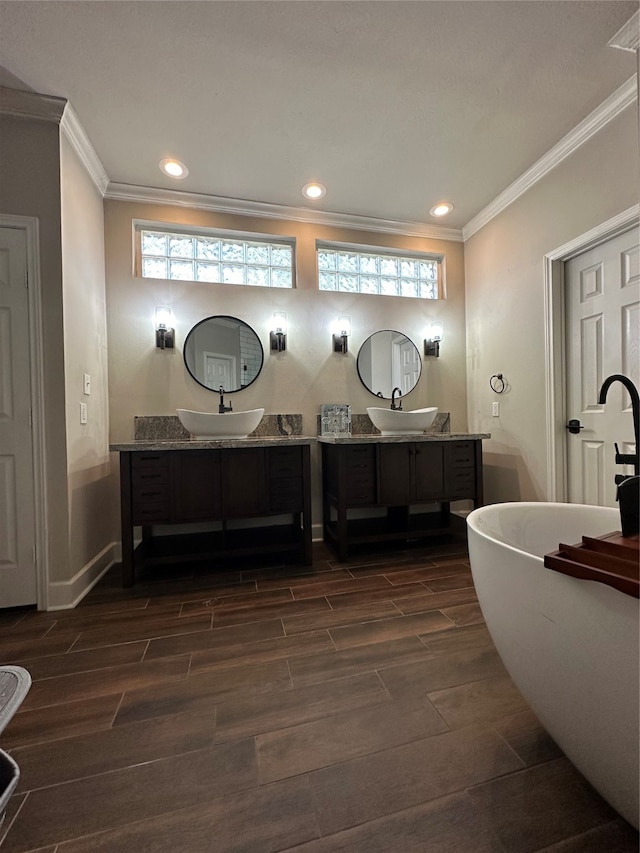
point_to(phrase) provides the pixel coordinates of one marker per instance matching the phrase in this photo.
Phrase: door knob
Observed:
(574, 426)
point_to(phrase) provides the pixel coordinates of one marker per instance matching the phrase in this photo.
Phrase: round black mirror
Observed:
(223, 352)
(388, 360)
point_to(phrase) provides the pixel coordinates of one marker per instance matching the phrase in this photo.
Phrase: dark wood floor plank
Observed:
(111, 800)
(214, 639)
(356, 615)
(312, 577)
(427, 573)
(202, 692)
(354, 661)
(389, 629)
(340, 737)
(240, 601)
(540, 806)
(261, 651)
(73, 662)
(436, 600)
(336, 586)
(16, 651)
(448, 825)
(465, 614)
(60, 721)
(264, 820)
(527, 738)
(442, 672)
(368, 596)
(114, 679)
(457, 581)
(150, 628)
(252, 715)
(91, 754)
(367, 788)
(478, 701)
(240, 615)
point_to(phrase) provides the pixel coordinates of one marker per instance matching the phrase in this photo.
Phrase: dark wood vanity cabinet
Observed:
(396, 476)
(215, 485)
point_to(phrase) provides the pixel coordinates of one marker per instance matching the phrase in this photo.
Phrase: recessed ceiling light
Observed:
(174, 168)
(314, 190)
(441, 209)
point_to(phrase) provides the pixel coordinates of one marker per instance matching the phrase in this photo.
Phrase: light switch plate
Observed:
(495, 409)
(86, 383)
(83, 413)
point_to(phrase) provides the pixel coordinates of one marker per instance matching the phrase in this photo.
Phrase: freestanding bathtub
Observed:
(570, 645)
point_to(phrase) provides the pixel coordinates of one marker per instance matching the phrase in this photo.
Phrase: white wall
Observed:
(147, 381)
(92, 494)
(505, 300)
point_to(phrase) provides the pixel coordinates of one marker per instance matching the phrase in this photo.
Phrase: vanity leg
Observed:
(126, 519)
(307, 555)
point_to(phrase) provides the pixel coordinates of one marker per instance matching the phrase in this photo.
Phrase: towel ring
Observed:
(498, 383)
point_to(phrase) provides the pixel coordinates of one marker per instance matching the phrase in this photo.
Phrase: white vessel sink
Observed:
(397, 422)
(207, 425)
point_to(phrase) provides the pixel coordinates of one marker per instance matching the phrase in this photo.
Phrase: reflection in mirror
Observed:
(389, 360)
(223, 352)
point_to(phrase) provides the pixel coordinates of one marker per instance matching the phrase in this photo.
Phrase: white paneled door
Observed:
(17, 512)
(602, 289)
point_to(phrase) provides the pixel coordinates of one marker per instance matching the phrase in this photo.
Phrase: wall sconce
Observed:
(278, 337)
(341, 332)
(433, 336)
(165, 333)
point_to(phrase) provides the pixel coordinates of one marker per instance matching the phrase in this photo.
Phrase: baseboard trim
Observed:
(65, 595)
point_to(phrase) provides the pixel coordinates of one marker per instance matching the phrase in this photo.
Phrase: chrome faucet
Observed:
(222, 408)
(628, 486)
(393, 399)
(625, 458)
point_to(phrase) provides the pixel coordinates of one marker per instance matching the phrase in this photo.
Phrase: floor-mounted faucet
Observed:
(625, 458)
(393, 399)
(627, 494)
(222, 408)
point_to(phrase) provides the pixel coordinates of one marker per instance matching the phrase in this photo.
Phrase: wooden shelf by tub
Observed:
(612, 559)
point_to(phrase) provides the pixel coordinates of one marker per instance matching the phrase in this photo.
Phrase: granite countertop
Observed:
(399, 439)
(212, 444)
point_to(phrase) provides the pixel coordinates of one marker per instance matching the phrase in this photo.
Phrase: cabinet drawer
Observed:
(462, 482)
(285, 495)
(462, 454)
(358, 459)
(360, 493)
(151, 512)
(150, 468)
(285, 462)
(152, 491)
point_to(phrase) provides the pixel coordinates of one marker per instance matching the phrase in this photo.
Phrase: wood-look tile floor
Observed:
(355, 706)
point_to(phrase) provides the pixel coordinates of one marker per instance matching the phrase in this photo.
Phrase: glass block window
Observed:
(215, 258)
(389, 274)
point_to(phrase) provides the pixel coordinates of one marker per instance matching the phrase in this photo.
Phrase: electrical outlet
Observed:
(495, 409)
(83, 413)
(86, 383)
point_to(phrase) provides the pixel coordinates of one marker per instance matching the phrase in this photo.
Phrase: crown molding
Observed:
(242, 207)
(617, 102)
(79, 141)
(628, 36)
(25, 104)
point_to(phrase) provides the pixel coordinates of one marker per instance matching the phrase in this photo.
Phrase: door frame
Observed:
(30, 226)
(555, 342)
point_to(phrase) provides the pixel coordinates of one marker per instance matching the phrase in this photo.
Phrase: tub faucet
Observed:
(625, 458)
(222, 408)
(393, 399)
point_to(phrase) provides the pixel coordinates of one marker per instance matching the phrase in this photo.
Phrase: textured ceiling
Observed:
(392, 105)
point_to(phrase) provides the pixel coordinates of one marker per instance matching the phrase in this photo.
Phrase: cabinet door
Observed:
(196, 485)
(243, 482)
(395, 465)
(429, 471)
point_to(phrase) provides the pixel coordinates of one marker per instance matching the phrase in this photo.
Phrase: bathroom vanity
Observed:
(400, 478)
(256, 491)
